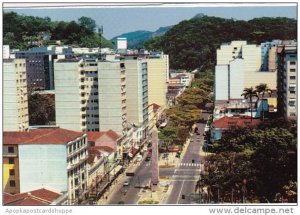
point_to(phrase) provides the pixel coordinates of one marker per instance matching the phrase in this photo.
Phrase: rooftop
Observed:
(33, 198)
(69, 60)
(94, 135)
(240, 121)
(40, 136)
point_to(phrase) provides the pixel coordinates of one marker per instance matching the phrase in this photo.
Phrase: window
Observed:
(11, 149)
(11, 160)
(12, 183)
(11, 172)
(292, 62)
(292, 70)
(292, 77)
(292, 103)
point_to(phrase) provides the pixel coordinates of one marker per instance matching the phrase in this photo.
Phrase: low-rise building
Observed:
(40, 197)
(51, 157)
(225, 123)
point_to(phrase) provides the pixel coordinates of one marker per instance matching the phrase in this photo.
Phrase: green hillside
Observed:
(192, 43)
(19, 31)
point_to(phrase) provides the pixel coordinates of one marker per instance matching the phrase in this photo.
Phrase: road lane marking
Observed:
(180, 192)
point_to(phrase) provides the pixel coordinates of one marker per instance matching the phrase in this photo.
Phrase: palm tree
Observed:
(249, 93)
(262, 89)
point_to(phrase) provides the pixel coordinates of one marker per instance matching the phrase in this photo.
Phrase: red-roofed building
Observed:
(52, 157)
(108, 141)
(226, 122)
(38, 197)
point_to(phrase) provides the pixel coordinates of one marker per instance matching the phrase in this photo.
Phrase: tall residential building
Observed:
(158, 75)
(287, 80)
(15, 101)
(70, 95)
(95, 93)
(137, 93)
(229, 51)
(231, 77)
(39, 68)
(112, 96)
(46, 158)
(267, 54)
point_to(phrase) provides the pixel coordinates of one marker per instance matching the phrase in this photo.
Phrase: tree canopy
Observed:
(192, 43)
(19, 31)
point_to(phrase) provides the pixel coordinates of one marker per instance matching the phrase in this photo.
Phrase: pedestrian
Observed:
(106, 197)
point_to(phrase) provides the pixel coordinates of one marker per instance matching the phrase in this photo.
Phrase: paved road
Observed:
(129, 194)
(187, 173)
(183, 177)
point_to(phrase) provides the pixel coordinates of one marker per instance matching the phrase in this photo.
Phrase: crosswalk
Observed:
(178, 165)
(190, 164)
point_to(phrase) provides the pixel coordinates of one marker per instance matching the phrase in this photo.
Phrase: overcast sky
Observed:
(116, 21)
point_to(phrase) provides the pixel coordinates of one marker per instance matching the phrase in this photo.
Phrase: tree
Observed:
(168, 135)
(261, 89)
(250, 93)
(41, 109)
(87, 22)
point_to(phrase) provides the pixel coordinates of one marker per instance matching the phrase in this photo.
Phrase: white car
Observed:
(126, 183)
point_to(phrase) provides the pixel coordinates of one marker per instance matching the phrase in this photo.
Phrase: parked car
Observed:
(148, 158)
(126, 183)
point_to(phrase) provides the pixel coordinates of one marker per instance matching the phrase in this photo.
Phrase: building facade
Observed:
(158, 76)
(15, 98)
(39, 68)
(112, 96)
(287, 80)
(53, 158)
(239, 66)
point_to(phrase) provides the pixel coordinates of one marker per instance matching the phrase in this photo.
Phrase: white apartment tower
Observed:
(90, 95)
(112, 96)
(15, 98)
(137, 92)
(238, 66)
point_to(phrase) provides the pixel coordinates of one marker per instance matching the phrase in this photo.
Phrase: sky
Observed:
(116, 21)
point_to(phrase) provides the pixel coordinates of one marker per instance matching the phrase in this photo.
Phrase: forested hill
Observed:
(192, 43)
(19, 31)
(137, 39)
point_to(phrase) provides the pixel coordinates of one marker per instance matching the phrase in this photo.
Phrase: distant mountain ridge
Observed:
(136, 39)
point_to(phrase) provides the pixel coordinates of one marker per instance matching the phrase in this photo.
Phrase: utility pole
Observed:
(100, 32)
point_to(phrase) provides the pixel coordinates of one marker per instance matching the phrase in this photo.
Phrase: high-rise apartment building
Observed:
(90, 95)
(137, 92)
(15, 101)
(287, 80)
(239, 66)
(39, 66)
(158, 76)
(112, 96)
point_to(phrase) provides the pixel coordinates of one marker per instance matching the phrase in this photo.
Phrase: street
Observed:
(183, 176)
(187, 173)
